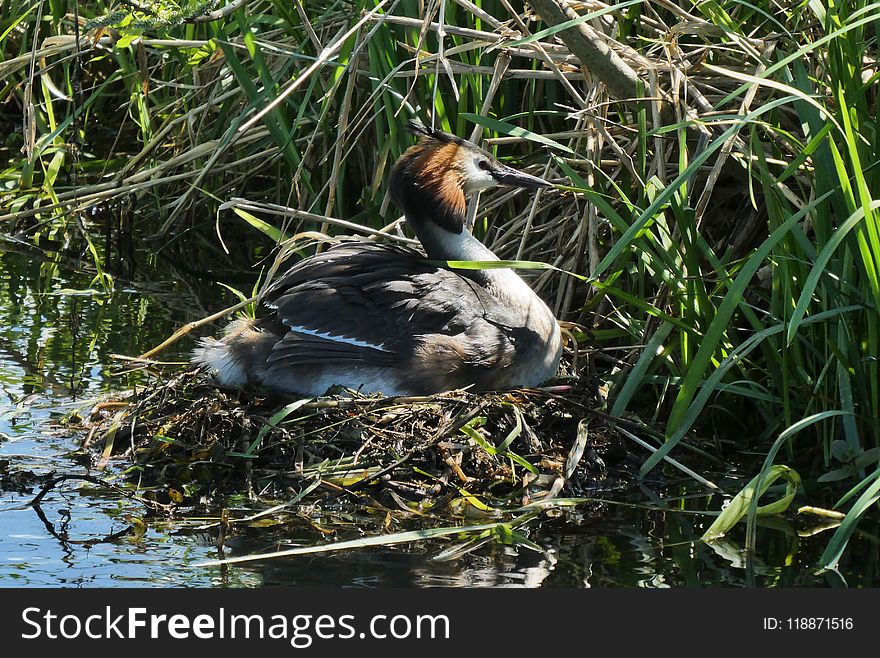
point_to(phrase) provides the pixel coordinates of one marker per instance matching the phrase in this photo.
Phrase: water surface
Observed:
(58, 333)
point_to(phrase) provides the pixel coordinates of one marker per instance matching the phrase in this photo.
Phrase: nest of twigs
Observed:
(191, 443)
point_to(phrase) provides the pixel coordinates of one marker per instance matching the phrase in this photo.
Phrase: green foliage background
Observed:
(723, 225)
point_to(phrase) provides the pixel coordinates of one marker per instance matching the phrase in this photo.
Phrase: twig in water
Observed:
(195, 324)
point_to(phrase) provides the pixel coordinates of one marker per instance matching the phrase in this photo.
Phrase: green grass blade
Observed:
(514, 131)
(739, 506)
(719, 325)
(550, 31)
(715, 378)
(833, 552)
(820, 268)
(635, 377)
(682, 179)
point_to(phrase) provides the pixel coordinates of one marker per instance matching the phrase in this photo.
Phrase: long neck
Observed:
(501, 283)
(436, 213)
(441, 244)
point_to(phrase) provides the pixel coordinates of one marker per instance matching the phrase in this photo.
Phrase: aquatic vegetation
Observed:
(716, 183)
(451, 454)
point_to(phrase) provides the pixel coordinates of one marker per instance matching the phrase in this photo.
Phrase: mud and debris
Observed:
(189, 443)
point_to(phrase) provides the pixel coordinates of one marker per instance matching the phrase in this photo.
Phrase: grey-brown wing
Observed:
(370, 304)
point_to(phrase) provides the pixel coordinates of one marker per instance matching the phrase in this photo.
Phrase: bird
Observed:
(391, 319)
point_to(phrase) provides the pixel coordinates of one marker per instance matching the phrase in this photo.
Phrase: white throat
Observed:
(501, 283)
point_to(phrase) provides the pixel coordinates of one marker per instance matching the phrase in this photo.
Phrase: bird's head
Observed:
(433, 178)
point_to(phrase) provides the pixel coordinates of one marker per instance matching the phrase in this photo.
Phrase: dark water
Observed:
(57, 334)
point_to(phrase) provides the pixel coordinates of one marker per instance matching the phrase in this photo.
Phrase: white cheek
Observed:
(477, 179)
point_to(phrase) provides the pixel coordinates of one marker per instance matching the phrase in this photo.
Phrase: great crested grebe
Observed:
(386, 318)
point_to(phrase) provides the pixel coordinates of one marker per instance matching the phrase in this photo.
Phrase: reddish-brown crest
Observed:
(435, 167)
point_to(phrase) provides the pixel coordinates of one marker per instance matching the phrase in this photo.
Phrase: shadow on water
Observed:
(57, 335)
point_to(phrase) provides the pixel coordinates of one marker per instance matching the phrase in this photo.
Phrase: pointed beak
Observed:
(509, 176)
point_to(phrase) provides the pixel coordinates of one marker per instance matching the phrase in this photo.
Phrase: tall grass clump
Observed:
(716, 165)
(786, 331)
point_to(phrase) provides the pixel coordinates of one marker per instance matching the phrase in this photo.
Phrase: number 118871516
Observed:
(808, 623)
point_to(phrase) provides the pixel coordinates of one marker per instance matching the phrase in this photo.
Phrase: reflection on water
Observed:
(57, 335)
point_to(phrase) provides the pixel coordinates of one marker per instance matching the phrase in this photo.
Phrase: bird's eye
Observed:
(484, 165)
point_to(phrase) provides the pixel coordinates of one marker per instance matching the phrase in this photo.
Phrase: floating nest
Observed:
(191, 444)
